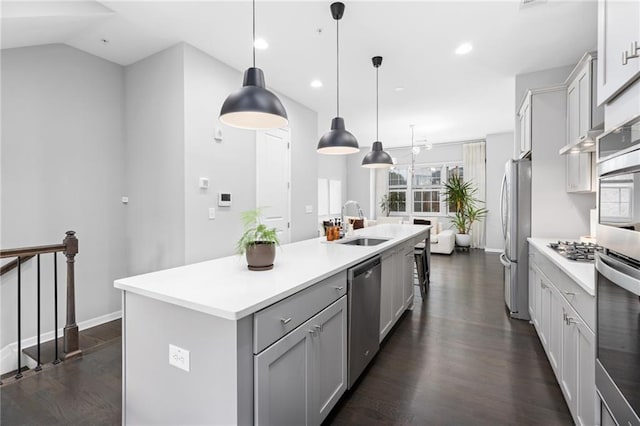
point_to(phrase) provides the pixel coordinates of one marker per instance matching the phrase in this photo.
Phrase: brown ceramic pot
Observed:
(260, 255)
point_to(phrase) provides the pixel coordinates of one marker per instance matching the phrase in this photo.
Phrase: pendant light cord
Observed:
(377, 95)
(337, 68)
(254, 34)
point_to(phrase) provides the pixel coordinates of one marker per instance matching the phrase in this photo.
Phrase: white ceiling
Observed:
(448, 97)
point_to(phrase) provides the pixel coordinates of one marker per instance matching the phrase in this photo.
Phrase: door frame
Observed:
(260, 139)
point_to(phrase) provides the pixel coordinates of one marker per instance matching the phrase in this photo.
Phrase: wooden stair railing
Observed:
(71, 341)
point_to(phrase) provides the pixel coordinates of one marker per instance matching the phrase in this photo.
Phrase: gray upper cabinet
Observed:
(583, 116)
(618, 46)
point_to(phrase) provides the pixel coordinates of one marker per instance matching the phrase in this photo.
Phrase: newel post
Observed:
(71, 336)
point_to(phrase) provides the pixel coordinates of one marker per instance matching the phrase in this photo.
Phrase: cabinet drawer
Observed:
(580, 300)
(272, 323)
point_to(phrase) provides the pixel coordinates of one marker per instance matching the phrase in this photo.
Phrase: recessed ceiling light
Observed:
(316, 83)
(261, 44)
(464, 48)
(399, 89)
(588, 143)
(104, 41)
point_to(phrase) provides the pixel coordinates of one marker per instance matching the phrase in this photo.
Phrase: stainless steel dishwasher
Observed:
(364, 315)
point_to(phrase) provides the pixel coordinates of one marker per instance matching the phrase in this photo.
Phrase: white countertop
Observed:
(225, 288)
(582, 273)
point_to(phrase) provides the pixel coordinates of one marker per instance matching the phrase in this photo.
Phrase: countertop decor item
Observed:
(462, 201)
(253, 106)
(258, 242)
(338, 140)
(377, 158)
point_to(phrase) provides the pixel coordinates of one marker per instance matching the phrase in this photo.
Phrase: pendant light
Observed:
(377, 158)
(338, 140)
(253, 106)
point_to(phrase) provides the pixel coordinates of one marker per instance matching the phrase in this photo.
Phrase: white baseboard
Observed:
(9, 354)
(493, 250)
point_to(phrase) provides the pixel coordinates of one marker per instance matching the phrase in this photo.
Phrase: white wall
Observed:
(155, 161)
(358, 181)
(498, 153)
(62, 169)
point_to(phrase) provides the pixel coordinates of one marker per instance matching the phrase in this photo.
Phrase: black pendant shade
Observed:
(253, 106)
(338, 140)
(377, 158)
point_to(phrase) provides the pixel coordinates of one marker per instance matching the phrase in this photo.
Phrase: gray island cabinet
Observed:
(213, 343)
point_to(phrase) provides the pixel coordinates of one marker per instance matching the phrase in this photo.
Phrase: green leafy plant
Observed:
(255, 232)
(385, 204)
(462, 201)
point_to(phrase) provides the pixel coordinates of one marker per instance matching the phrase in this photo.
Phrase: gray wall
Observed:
(498, 153)
(230, 164)
(62, 168)
(155, 152)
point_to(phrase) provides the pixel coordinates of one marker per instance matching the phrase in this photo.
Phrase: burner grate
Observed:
(575, 250)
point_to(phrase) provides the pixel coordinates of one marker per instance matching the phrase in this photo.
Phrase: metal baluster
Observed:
(39, 366)
(19, 374)
(56, 359)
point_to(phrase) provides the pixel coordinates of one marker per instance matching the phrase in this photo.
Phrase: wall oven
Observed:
(618, 275)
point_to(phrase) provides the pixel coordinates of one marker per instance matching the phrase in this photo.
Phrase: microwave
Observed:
(619, 189)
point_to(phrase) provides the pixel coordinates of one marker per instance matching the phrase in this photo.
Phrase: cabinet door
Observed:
(586, 399)
(573, 112)
(330, 359)
(524, 117)
(282, 387)
(533, 310)
(583, 86)
(618, 29)
(545, 311)
(408, 261)
(555, 329)
(397, 298)
(386, 295)
(569, 376)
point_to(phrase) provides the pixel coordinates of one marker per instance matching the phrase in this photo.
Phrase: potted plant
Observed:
(258, 242)
(462, 201)
(385, 204)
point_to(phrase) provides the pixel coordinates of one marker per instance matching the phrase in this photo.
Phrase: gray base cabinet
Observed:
(563, 315)
(300, 378)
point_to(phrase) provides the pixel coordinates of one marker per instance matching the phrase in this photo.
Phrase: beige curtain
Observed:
(474, 162)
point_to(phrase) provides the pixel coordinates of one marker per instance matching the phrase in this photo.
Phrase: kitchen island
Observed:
(211, 321)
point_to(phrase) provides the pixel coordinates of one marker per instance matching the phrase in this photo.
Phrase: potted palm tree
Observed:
(462, 202)
(258, 242)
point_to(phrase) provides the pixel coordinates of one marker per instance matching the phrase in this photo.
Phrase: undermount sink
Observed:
(363, 241)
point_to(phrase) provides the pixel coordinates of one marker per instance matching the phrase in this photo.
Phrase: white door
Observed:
(273, 179)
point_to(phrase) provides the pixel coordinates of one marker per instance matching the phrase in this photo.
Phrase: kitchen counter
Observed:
(225, 288)
(582, 273)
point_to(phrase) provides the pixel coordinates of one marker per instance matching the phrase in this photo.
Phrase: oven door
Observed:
(618, 336)
(619, 204)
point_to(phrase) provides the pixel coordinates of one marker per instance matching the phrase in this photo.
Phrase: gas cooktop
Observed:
(575, 250)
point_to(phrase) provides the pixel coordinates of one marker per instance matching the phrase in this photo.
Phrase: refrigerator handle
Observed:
(504, 260)
(503, 186)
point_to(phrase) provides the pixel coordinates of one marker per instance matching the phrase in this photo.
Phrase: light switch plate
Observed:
(308, 209)
(204, 183)
(212, 213)
(179, 358)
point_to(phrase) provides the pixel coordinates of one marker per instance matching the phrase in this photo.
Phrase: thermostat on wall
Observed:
(224, 199)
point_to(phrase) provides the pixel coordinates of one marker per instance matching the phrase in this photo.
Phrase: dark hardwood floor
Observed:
(458, 359)
(455, 360)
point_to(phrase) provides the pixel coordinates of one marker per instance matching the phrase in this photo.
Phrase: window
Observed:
(425, 188)
(616, 199)
(398, 189)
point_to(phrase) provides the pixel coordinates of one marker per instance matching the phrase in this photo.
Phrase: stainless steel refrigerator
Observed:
(515, 213)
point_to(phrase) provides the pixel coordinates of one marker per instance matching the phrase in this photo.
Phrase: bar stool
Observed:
(422, 256)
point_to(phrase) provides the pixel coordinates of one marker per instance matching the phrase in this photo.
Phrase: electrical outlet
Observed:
(308, 209)
(179, 358)
(212, 213)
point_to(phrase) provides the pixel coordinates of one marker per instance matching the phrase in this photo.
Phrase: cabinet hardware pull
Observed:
(339, 288)
(571, 320)
(569, 293)
(285, 320)
(312, 332)
(633, 53)
(318, 327)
